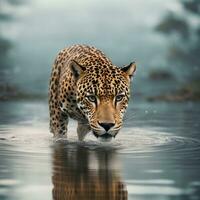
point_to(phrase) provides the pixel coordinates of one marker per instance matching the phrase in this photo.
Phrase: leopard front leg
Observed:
(58, 122)
(58, 119)
(82, 130)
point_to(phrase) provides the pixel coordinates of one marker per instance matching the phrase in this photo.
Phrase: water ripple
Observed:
(149, 141)
(141, 141)
(133, 141)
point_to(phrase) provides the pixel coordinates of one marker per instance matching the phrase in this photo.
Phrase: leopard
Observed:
(87, 87)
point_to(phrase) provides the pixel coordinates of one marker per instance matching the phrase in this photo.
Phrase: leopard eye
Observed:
(119, 97)
(91, 98)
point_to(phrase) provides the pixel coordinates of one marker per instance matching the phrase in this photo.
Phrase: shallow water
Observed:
(155, 156)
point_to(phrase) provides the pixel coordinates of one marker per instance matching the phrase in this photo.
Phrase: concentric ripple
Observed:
(142, 141)
(129, 141)
(149, 141)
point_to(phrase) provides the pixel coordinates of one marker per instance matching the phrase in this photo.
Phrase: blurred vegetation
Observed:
(160, 74)
(5, 46)
(188, 92)
(8, 89)
(192, 5)
(184, 51)
(11, 92)
(174, 24)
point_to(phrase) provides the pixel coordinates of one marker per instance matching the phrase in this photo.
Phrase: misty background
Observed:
(163, 37)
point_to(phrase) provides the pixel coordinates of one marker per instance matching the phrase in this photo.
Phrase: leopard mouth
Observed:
(106, 136)
(103, 136)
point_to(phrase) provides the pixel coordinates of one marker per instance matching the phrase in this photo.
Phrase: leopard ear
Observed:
(76, 69)
(130, 69)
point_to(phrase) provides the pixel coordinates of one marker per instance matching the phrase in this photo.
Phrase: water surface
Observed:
(155, 156)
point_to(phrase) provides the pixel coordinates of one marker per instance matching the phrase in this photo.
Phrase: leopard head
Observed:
(102, 94)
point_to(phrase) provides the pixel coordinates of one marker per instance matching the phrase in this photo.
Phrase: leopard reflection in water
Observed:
(84, 174)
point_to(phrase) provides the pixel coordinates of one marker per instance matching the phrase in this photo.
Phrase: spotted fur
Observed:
(87, 87)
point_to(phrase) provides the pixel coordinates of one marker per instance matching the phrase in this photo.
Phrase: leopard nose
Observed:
(106, 126)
